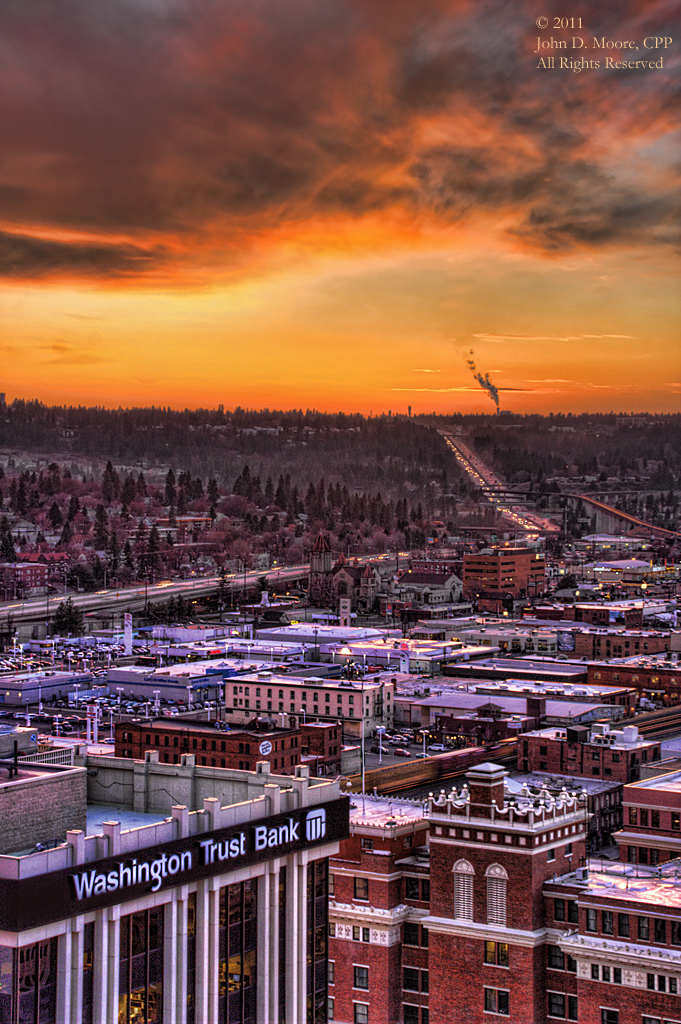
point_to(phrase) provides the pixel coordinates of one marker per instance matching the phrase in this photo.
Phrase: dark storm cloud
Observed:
(190, 130)
(22, 256)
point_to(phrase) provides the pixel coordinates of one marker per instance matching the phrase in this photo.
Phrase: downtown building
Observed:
(196, 896)
(481, 905)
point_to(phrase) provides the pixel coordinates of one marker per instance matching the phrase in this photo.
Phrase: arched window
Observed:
(496, 894)
(463, 889)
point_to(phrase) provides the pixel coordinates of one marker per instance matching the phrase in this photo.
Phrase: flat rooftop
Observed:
(660, 885)
(550, 780)
(383, 811)
(97, 814)
(670, 783)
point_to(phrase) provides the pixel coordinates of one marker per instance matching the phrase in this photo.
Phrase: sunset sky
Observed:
(337, 204)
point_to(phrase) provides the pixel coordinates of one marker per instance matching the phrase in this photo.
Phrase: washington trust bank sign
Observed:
(41, 899)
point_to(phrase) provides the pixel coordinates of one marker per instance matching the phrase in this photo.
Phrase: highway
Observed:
(488, 482)
(38, 609)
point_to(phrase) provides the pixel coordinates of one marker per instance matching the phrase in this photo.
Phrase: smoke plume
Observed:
(483, 380)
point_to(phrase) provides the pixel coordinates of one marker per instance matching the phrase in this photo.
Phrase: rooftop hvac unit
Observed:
(582, 874)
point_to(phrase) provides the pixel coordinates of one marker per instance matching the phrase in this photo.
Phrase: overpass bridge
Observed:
(608, 519)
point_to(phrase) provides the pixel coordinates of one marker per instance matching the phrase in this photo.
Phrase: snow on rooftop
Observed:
(383, 811)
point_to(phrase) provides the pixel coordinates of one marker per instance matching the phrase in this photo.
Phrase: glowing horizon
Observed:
(288, 206)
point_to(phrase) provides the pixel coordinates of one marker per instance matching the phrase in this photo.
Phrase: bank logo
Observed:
(315, 825)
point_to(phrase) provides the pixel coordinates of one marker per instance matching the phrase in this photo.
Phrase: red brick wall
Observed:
(458, 964)
(563, 757)
(384, 995)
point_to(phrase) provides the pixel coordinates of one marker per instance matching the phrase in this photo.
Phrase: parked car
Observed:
(401, 752)
(437, 747)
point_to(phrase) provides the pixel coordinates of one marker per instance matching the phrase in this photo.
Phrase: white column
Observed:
(204, 969)
(213, 949)
(296, 939)
(170, 965)
(267, 972)
(101, 974)
(77, 947)
(113, 963)
(181, 921)
(64, 953)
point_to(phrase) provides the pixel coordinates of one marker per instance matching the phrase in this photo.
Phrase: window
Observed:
(654, 819)
(366, 935)
(330, 1006)
(556, 960)
(571, 965)
(496, 1001)
(643, 928)
(645, 1019)
(424, 981)
(573, 1008)
(617, 975)
(425, 889)
(610, 1016)
(605, 973)
(332, 930)
(660, 929)
(550, 855)
(361, 977)
(361, 1013)
(591, 920)
(607, 922)
(632, 816)
(331, 972)
(623, 926)
(559, 910)
(361, 888)
(411, 888)
(676, 933)
(332, 885)
(367, 844)
(410, 1014)
(356, 933)
(463, 890)
(676, 820)
(572, 912)
(410, 935)
(556, 1006)
(643, 817)
(410, 979)
(496, 894)
(496, 953)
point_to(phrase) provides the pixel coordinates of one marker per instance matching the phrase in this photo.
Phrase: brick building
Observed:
(614, 951)
(23, 578)
(597, 644)
(517, 572)
(235, 748)
(595, 751)
(481, 906)
(358, 706)
(651, 833)
(378, 890)
(653, 677)
(322, 741)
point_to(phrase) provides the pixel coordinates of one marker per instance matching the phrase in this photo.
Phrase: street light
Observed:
(424, 733)
(380, 730)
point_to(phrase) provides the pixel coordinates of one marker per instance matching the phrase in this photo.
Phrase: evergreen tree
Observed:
(68, 619)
